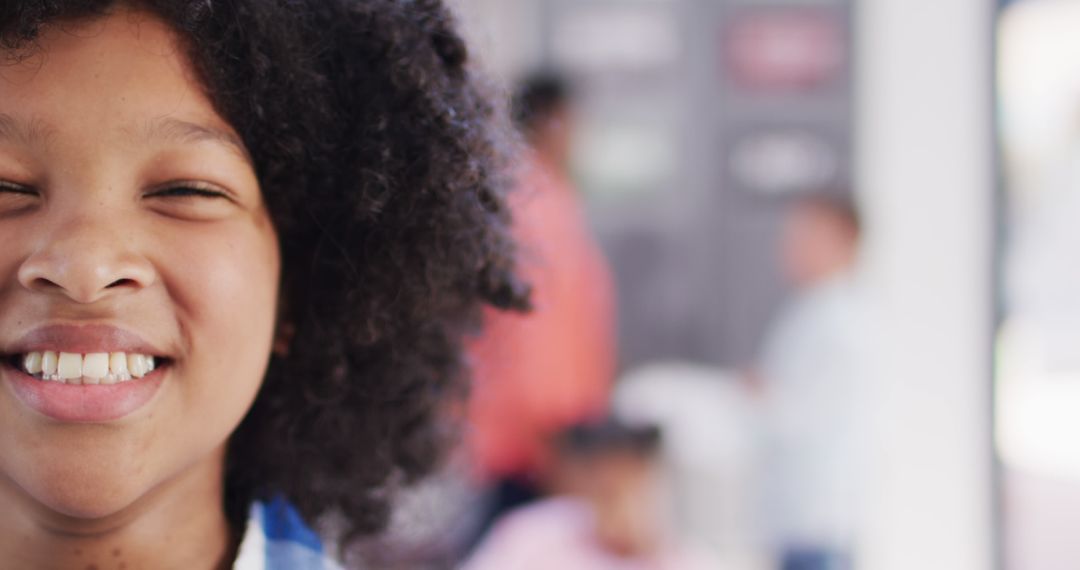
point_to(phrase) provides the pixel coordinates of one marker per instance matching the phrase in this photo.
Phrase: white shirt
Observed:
(812, 366)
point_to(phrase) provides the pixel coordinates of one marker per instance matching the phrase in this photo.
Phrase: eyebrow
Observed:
(30, 133)
(168, 129)
(174, 130)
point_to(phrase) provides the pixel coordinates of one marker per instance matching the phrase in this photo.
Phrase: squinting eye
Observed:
(16, 188)
(17, 199)
(188, 190)
(191, 200)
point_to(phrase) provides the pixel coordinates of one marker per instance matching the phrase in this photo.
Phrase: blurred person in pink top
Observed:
(608, 512)
(538, 373)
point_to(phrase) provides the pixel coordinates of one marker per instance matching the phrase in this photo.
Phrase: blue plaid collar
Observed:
(276, 538)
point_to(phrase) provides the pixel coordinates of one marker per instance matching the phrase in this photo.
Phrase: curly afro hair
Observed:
(376, 153)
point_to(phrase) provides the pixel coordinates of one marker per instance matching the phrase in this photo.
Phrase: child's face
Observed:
(98, 130)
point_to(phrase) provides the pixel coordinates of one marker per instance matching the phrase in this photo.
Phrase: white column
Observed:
(925, 177)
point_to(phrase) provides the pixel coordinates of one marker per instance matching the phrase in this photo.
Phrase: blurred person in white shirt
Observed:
(810, 376)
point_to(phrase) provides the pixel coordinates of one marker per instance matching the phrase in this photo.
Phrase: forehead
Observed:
(108, 77)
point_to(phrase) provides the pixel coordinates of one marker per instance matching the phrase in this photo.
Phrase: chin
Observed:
(85, 487)
(83, 507)
(89, 499)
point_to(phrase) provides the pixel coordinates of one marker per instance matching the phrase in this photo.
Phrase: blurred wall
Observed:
(687, 156)
(504, 34)
(694, 265)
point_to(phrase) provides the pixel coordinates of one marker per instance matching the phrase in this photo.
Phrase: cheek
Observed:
(224, 283)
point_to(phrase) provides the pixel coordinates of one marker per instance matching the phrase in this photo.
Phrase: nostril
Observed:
(44, 283)
(120, 283)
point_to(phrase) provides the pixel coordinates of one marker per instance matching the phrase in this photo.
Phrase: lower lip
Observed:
(84, 403)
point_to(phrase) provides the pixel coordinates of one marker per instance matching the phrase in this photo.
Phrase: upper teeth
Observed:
(93, 368)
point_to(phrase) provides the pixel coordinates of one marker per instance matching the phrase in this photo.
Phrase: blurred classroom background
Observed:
(806, 295)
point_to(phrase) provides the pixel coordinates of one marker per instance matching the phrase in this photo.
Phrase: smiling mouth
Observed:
(85, 369)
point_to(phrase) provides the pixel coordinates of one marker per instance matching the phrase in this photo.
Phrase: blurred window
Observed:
(1038, 376)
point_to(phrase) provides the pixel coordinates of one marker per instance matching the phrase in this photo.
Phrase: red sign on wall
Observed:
(785, 50)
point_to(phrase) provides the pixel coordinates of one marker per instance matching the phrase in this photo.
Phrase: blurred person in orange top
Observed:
(535, 374)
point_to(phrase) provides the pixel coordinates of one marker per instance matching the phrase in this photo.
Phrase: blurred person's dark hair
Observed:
(607, 436)
(539, 97)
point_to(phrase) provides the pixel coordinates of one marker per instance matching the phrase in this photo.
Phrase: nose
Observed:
(86, 259)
